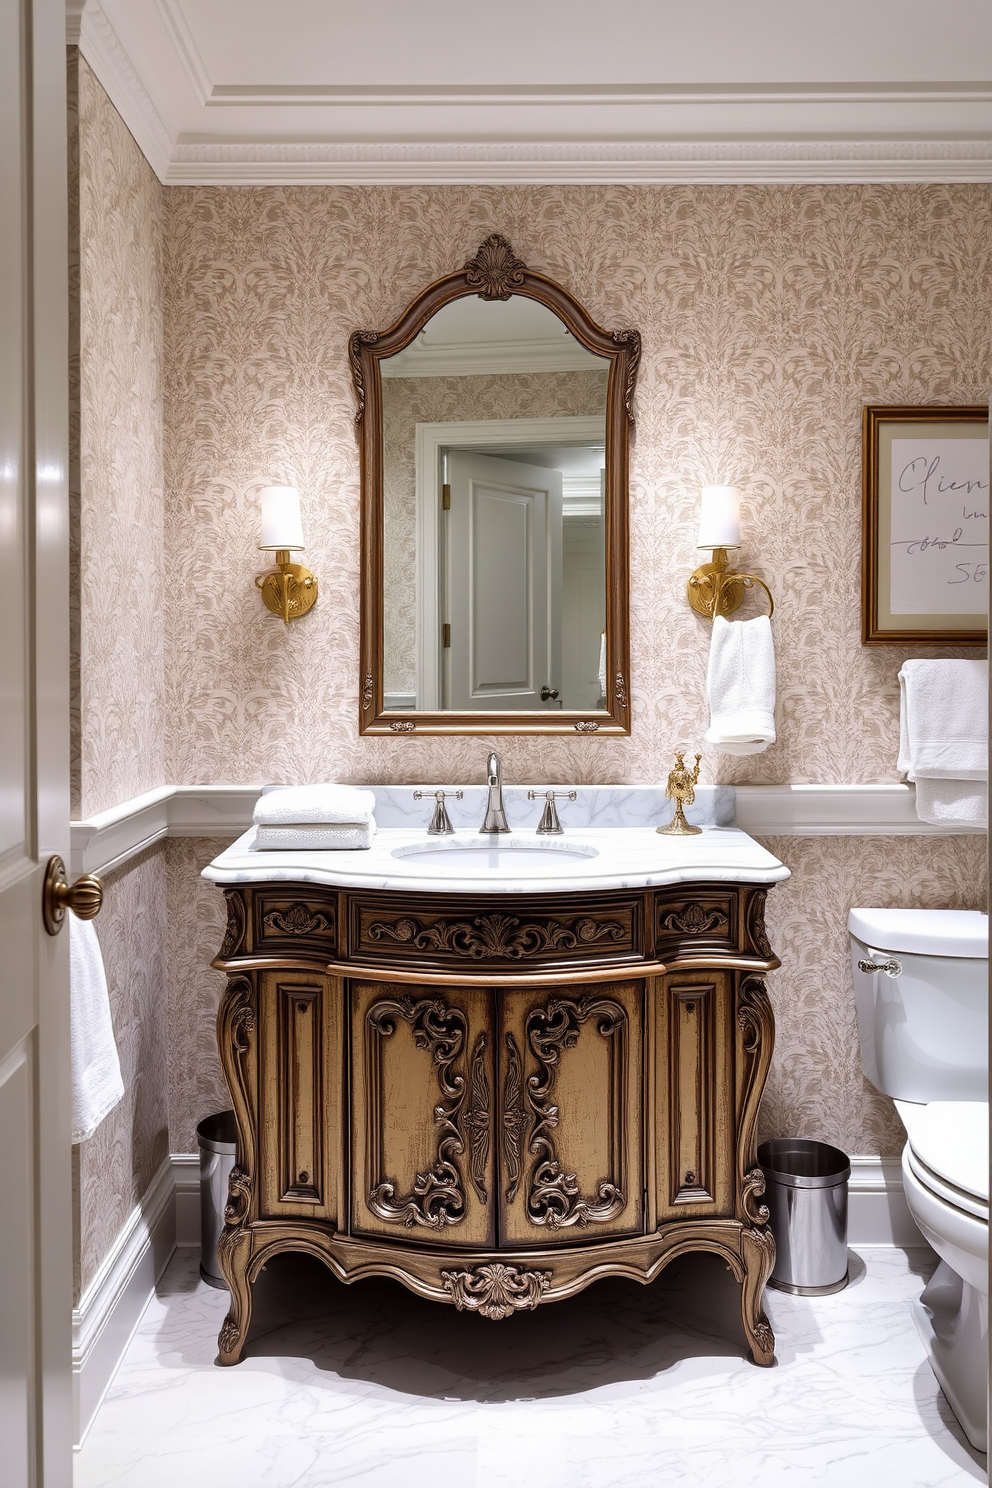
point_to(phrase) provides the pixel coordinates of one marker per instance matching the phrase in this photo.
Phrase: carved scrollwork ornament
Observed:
(751, 1191)
(478, 1118)
(236, 924)
(496, 1290)
(297, 920)
(620, 690)
(496, 936)
(368, 691)
(514, 1118)
(586, 726)
(437, 1197)
(694, 920)
(495, 271)
(404, 726)
(632, 339)
(553, 1197)
(238, 1012)
(756, 924)
(358, 340)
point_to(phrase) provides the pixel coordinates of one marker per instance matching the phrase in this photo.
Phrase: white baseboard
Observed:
(111, 1306)
(877, 1212)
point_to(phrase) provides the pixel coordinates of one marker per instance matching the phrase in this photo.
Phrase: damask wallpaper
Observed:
(116, 1165)
(769, 315)
(119, 537)
(213, 336)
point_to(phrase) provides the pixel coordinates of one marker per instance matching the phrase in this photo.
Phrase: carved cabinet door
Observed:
(693, 1107)
(421, 1113)
(300, 1119)
(569, 1086)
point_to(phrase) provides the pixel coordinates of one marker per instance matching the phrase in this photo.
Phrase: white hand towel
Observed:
(313, 837)
(96, 1072)
(602, 665)
(322, 805)
(944, 719)
(740, 683)
(953, 803)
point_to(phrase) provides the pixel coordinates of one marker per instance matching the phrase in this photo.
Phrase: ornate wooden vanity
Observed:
(496, 1100)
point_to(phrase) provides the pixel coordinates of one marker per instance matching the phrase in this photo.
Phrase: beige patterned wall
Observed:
(816, 1088)
(120, 544)
(117, 639)
(407, 401)
(116, 1165)
(769, 314)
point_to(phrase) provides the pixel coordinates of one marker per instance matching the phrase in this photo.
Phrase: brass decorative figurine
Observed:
(680, 790)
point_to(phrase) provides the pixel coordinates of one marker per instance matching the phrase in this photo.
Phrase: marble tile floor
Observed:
(369, 1386)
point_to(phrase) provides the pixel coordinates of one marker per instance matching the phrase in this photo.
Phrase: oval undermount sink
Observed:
(516, 858)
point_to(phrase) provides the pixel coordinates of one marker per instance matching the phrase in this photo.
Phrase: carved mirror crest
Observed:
(494, 420)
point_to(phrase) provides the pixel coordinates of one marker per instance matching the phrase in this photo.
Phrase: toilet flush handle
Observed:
(892, 968)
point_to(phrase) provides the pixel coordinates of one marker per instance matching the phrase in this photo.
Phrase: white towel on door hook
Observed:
(96, 1070)
(740, 684)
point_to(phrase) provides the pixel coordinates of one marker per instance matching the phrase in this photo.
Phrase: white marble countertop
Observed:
(621, 857)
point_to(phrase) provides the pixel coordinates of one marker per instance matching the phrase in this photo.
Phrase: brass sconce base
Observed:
(714, 589)
(289, 590)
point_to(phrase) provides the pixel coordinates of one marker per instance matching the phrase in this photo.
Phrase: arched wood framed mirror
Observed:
(494, 419)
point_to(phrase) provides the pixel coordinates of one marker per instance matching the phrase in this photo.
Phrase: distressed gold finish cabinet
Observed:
(496, 1099)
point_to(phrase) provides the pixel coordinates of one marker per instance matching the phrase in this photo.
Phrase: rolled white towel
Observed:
(313, 837)
(740, 684)
(952, 803)
(96, 1070)
(321, 805)
(944, 719)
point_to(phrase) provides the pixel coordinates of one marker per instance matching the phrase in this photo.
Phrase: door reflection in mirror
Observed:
(501, 596)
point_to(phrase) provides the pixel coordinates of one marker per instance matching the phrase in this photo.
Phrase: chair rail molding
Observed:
(110, 838)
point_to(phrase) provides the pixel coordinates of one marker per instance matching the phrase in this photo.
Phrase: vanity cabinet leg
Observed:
(758, 1254)
(234, 1254)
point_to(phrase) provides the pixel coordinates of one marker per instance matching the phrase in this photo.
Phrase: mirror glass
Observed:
(493, 473)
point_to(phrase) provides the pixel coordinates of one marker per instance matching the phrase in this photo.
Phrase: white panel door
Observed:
(35, 1197)
(503, 586)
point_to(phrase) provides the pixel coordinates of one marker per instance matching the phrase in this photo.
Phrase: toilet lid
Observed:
(952, 1139)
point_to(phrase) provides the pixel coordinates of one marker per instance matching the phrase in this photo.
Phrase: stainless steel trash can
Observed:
(806, 1193)
(216, 1137)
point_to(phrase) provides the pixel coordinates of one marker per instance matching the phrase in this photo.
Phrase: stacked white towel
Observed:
(740, 684)
(317, 818)
(943, 739)
(96, 1071)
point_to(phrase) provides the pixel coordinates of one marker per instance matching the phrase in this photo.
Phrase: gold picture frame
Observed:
(925, 504)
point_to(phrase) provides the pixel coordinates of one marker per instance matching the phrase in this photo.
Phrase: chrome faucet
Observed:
(495, 815)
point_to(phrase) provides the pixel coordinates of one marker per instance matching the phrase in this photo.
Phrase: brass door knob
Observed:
(84, 897)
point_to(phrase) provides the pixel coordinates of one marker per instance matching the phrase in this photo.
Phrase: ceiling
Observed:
(393, 91)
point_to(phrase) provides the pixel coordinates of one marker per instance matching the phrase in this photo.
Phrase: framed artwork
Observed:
(925, 554)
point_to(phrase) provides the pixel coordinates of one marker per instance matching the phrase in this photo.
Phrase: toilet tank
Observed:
(923, 1022)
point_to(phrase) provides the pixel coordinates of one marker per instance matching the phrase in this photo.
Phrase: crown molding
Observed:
(489, 358)
(99, 44)
(562, 133)
(720, 163)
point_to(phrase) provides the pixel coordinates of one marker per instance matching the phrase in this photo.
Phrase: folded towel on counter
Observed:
(944, 719)
(313, 837)
(740, 684)
(943, 739)
(314, 804)
(96, 1071)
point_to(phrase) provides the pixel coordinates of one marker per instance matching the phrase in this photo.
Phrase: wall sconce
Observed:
(714, 588)
(288, 590)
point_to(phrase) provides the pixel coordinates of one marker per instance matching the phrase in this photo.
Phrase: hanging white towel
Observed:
(943, 738)
(96, 1072)
(323, 805)
(740, 684)
(602, 665)
(313, 837)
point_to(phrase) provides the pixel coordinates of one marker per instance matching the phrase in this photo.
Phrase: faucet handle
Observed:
(440, 822)
(549, 825)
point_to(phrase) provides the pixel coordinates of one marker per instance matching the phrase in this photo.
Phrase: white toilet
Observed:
(921, 988)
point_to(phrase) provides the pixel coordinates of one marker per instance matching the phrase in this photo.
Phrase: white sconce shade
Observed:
(719, 517)
(282, 528)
